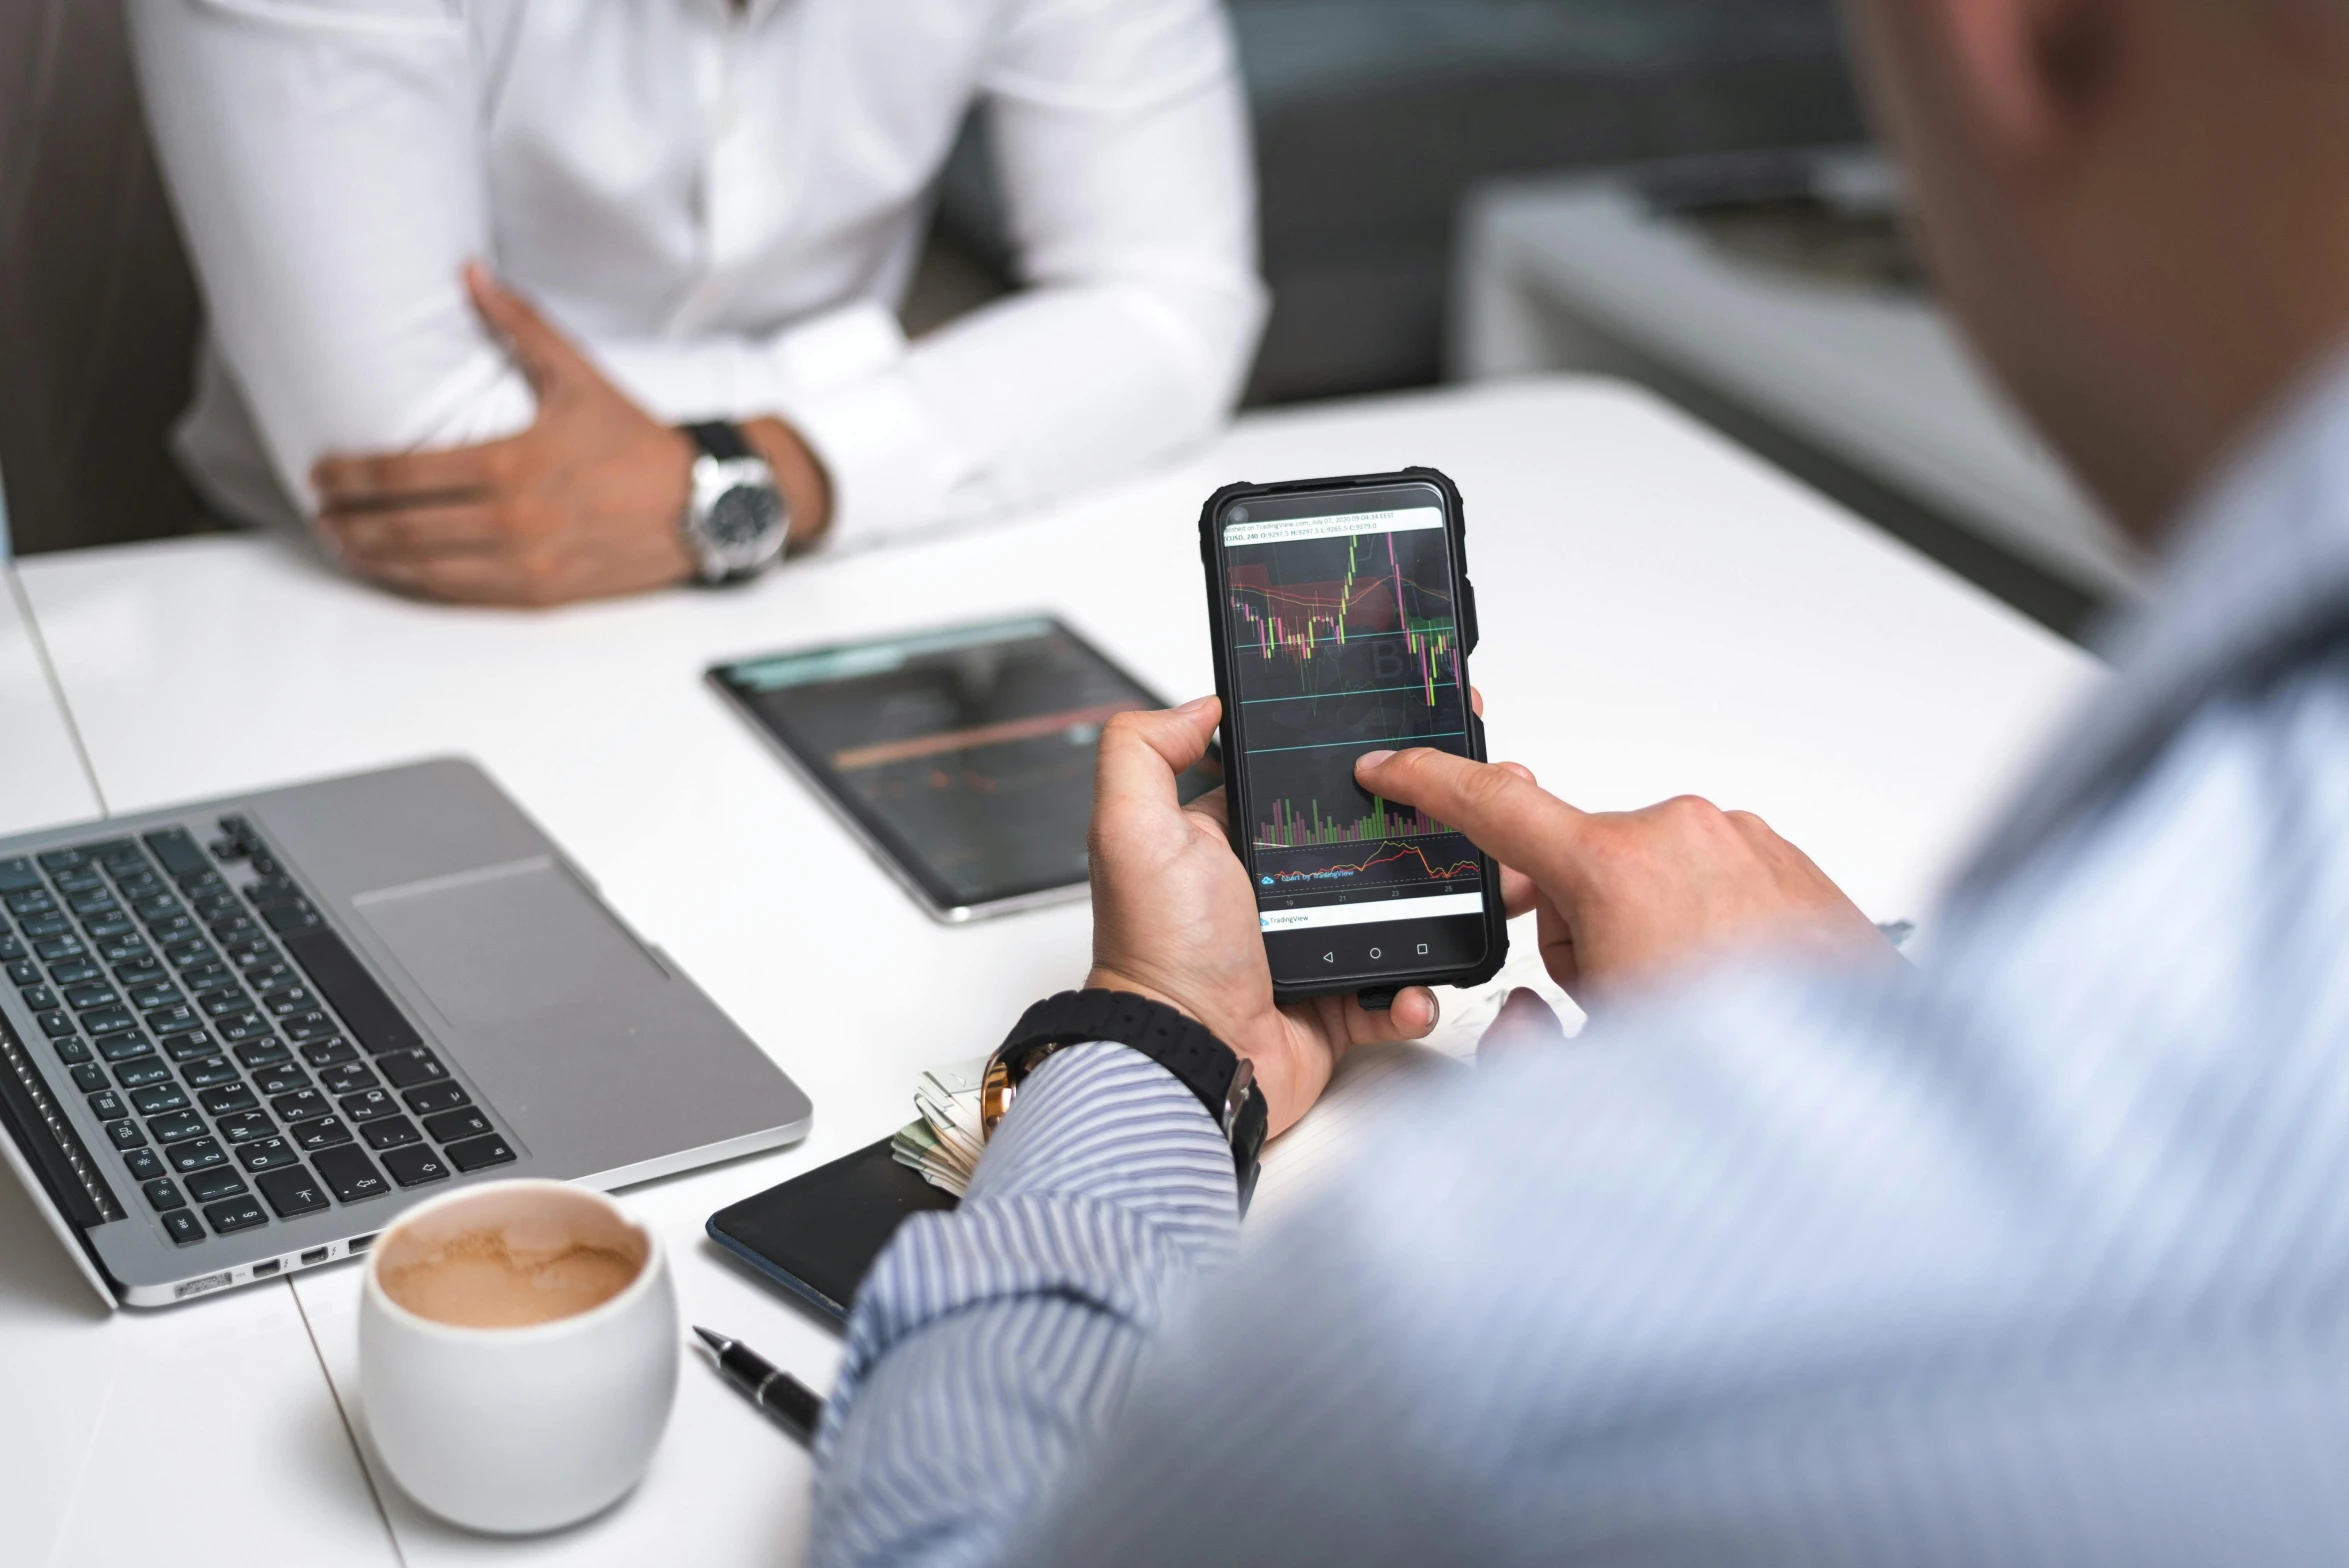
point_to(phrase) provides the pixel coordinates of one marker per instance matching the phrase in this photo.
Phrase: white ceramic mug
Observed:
(514, 1430)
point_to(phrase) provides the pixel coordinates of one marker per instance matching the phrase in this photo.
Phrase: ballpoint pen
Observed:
(788, 1402)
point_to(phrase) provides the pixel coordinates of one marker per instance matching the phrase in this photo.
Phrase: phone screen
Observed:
(1345, 637)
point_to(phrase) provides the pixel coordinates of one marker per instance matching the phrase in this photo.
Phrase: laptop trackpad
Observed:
(506, 942)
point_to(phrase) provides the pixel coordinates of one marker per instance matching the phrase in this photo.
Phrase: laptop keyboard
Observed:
(245, 1065)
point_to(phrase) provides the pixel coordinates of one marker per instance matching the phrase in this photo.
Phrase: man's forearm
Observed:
(989, 1345)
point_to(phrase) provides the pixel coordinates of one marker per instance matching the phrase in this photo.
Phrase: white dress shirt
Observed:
(723, 204)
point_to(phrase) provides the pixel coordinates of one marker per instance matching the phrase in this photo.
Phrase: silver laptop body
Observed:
(238, 1037)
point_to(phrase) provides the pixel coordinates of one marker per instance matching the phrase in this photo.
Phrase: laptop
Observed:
(237, 1038)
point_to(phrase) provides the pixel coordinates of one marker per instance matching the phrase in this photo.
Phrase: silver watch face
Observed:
(738, 520)
(743, 517)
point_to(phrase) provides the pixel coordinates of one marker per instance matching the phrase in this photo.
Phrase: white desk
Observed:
(1662, 614)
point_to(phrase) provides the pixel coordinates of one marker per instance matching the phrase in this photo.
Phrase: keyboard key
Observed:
(243, 953)
(367, 1105)
(177, 851)
(228, 1099)
(327, 1052)
(125, 1134)
(301, 1105)
(70, 1049)
(350, 1174)
(204, 1074)
(122, 1047)
(270, 976)
(236, 928)
(246, 1125)
(215, 906)
(213, 1185)
(312, 1025)
(72, 972)
(273, 890)
(477, 1153)
(347, 1078)
(172, 928)
(18, 874)
(143, 1164)
(175, 1127)
(142, 971)
(107, 1020)
(435, 1097)
(155, 1099)
(323, 1133)
(55, 1024)
(82, 998)
(181, 955)
(293, 999)
(51, 927)
(228, 999)
(287, 918)
(407, 1069)
(39, 998)
(264, 1053)
(236, 1214)
(61, 859)
(88, 1077)
(199, 1154)
(139, 1072)
(240, 1026)
(199, 978)
(123, 949)
(107, 1106)
(29, 901)
(187, 1047)
(54, 948)
(413, 1167)
(292, 1191)
(177, 1018)
(107, 924)
(390, 1133)
(449, 1126)
(158, 993)
(267, 1154)
(183, 1227)
(162, 1195)
(281, 1080)
(336, 971)
(25, 972)
(10, 948)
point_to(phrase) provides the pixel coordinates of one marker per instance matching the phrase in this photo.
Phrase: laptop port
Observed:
(265, 1269)
(315, 1255)
(359, 1244)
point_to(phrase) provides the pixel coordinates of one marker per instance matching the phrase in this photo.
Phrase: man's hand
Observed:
(587, 502)
(1622, 895)
(1175, 920)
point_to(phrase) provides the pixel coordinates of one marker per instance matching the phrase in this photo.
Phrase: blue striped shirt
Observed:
(2036, 1253)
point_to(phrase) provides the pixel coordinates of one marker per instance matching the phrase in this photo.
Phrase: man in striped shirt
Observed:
(2038, 1252)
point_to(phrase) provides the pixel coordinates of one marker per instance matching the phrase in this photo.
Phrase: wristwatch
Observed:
(736, 521)
(1224, 1080)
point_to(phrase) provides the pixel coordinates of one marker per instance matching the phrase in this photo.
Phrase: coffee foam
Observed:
(480, 1278)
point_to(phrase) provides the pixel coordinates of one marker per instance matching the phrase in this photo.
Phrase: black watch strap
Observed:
(1199, 1061)
(721, 439)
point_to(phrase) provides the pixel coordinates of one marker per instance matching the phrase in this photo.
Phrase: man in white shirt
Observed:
(715, 205)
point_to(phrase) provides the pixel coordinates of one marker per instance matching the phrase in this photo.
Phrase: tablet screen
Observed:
(964, 757)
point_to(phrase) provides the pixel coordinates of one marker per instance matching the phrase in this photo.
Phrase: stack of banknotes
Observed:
(944, 1143)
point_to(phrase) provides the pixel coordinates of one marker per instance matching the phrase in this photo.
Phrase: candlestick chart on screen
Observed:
(1345, 644)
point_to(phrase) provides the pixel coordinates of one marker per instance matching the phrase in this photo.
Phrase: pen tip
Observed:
(716, 1341)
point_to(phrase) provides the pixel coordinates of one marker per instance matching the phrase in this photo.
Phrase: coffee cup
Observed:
(517, 1354)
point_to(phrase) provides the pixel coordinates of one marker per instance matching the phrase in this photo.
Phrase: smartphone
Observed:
(817, 1234)
(1343, 620)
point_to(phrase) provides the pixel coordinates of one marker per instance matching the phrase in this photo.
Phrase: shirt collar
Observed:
(2257, 580)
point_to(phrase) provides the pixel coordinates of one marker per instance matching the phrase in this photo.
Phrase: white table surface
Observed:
(1662, 614)
(41, 781)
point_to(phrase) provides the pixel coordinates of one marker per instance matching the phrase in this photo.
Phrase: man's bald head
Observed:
(2138, 208)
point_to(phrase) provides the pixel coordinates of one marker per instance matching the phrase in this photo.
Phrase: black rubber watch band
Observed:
(1210, 1069)
(721, 439)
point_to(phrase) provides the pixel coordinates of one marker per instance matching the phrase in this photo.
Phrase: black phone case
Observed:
(1496, 918)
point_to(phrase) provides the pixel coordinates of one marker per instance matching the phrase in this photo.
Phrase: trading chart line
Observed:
(1430, 640)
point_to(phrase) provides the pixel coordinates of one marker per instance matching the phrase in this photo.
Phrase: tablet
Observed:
(963, 758)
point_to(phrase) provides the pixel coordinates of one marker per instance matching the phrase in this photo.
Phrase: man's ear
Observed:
(2030, 68)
